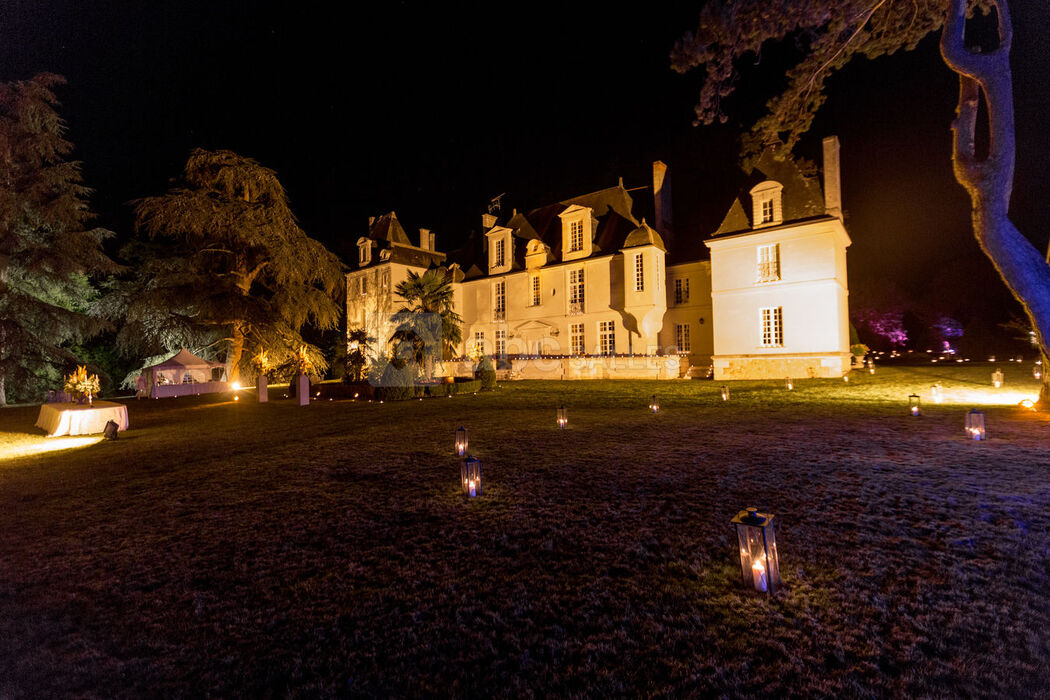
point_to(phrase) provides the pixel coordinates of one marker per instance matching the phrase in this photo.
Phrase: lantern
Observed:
(845, 378)
(759, 566)
(654, 405)
(871, 367)
(563, 417)
(725, 393)
(461, 441)
(975, 425)
(1037, 370)
(936, 393)
(997, 379)
(789, 384)
(470, 472)
(913, 405)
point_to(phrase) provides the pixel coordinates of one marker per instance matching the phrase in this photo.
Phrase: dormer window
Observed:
(500, 255)
(767, 208)
(364, 252)
(577, 232)
(499, 249)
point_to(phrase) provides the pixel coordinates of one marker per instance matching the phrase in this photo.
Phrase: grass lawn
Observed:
(247, 549)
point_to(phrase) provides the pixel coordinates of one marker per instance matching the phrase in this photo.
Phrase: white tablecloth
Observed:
(76, 419)
(162, 391)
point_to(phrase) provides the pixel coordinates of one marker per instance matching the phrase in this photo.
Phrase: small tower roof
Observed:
(644, 235)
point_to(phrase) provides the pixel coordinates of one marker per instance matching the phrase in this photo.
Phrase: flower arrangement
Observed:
(81, 385)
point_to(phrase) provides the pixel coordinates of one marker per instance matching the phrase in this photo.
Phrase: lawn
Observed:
(223, 548)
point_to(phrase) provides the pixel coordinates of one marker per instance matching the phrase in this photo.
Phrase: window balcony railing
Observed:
(575, 308)
(499, 315)
(768, 272)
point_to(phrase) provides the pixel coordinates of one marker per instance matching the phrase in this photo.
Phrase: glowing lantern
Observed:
(725, 393)
(789, 384)
(759, 566)
(461, 441)
(845, 378)
(936, 393)
(654, 405)
(563, 417)
(997, 379)
(1037, 370)
(914, 405)
(871, 366)
(975, 425)
(470, 472)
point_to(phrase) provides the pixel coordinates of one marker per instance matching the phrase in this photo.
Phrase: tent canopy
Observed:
(184, 359)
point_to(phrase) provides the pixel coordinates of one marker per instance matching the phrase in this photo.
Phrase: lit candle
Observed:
(472, 489)
(758, 572)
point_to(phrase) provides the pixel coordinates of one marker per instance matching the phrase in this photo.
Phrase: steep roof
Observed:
(801, 197)
(644, 235)
(388, 228)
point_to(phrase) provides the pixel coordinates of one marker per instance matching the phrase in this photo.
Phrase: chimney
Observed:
(662, 202)
(488, 221)
(832, 180)
(371, 222)
(426, 239)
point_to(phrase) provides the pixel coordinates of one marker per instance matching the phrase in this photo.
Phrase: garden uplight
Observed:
(914, 405)
(461, 441)
(470, 472)
(975, 425)
(563, 417)
(759, 565)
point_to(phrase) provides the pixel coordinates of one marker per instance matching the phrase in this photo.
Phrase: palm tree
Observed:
(428, 324)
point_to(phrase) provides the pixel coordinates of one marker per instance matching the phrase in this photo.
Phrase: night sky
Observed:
(433, 109)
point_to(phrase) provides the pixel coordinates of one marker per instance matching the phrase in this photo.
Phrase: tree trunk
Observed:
(3, 391)
(233, 357)
(989, 182)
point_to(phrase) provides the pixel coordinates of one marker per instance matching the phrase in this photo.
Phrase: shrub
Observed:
(486, 373)
(396, 384)
(468, 387)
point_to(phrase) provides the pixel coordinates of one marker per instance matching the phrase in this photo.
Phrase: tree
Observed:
(47, 251)
(428, 324)
(226, 265)
(358, 342)
(829, 33)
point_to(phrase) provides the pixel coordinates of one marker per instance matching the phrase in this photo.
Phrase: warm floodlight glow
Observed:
(1027, 403)
(37, 446)
(236, 386)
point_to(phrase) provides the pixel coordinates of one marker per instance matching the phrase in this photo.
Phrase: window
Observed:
(535, 286)
(767, 211)
(499, 306)
(607, 337)
(575, 236)
(479, 343)
(769, 262)
(498, 255)
(364, 253)
(681, 291)
(639, 272)
(772, 327)
(384, 282)
(681, 337)
(579, 347)
(501, 343)
(576, 291)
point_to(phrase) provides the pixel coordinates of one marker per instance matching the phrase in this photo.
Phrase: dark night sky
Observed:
(433, 109)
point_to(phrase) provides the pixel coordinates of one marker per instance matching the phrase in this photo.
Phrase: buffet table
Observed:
(81, 419)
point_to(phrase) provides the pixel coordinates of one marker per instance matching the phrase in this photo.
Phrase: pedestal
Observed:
(303, 390)
(264, 392)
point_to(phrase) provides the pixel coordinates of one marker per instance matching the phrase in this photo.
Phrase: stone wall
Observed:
(781, 366)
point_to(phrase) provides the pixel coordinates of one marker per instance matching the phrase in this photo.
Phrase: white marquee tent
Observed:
(183, 374)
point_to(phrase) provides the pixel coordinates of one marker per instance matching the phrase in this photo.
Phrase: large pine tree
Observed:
(227, 266)
(47, 250)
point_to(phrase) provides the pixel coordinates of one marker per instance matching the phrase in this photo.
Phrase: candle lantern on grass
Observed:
(563, 417)
(725, 393)
(871, 367)
(937, 393)
(1037, 370)
(914, 406)
(845, 378)
(975, 425)
(470, 472)
(461, 441)
(759, 566)
(997, 378)
(654, 405)
(788, 383)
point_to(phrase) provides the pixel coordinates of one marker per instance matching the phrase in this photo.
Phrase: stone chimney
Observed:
(662, 202)
(488, 221)
(426, 239)
(832, 180)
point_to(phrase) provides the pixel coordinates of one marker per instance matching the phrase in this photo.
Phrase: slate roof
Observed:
(801, 198)
(644, 235)
(389, 238)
